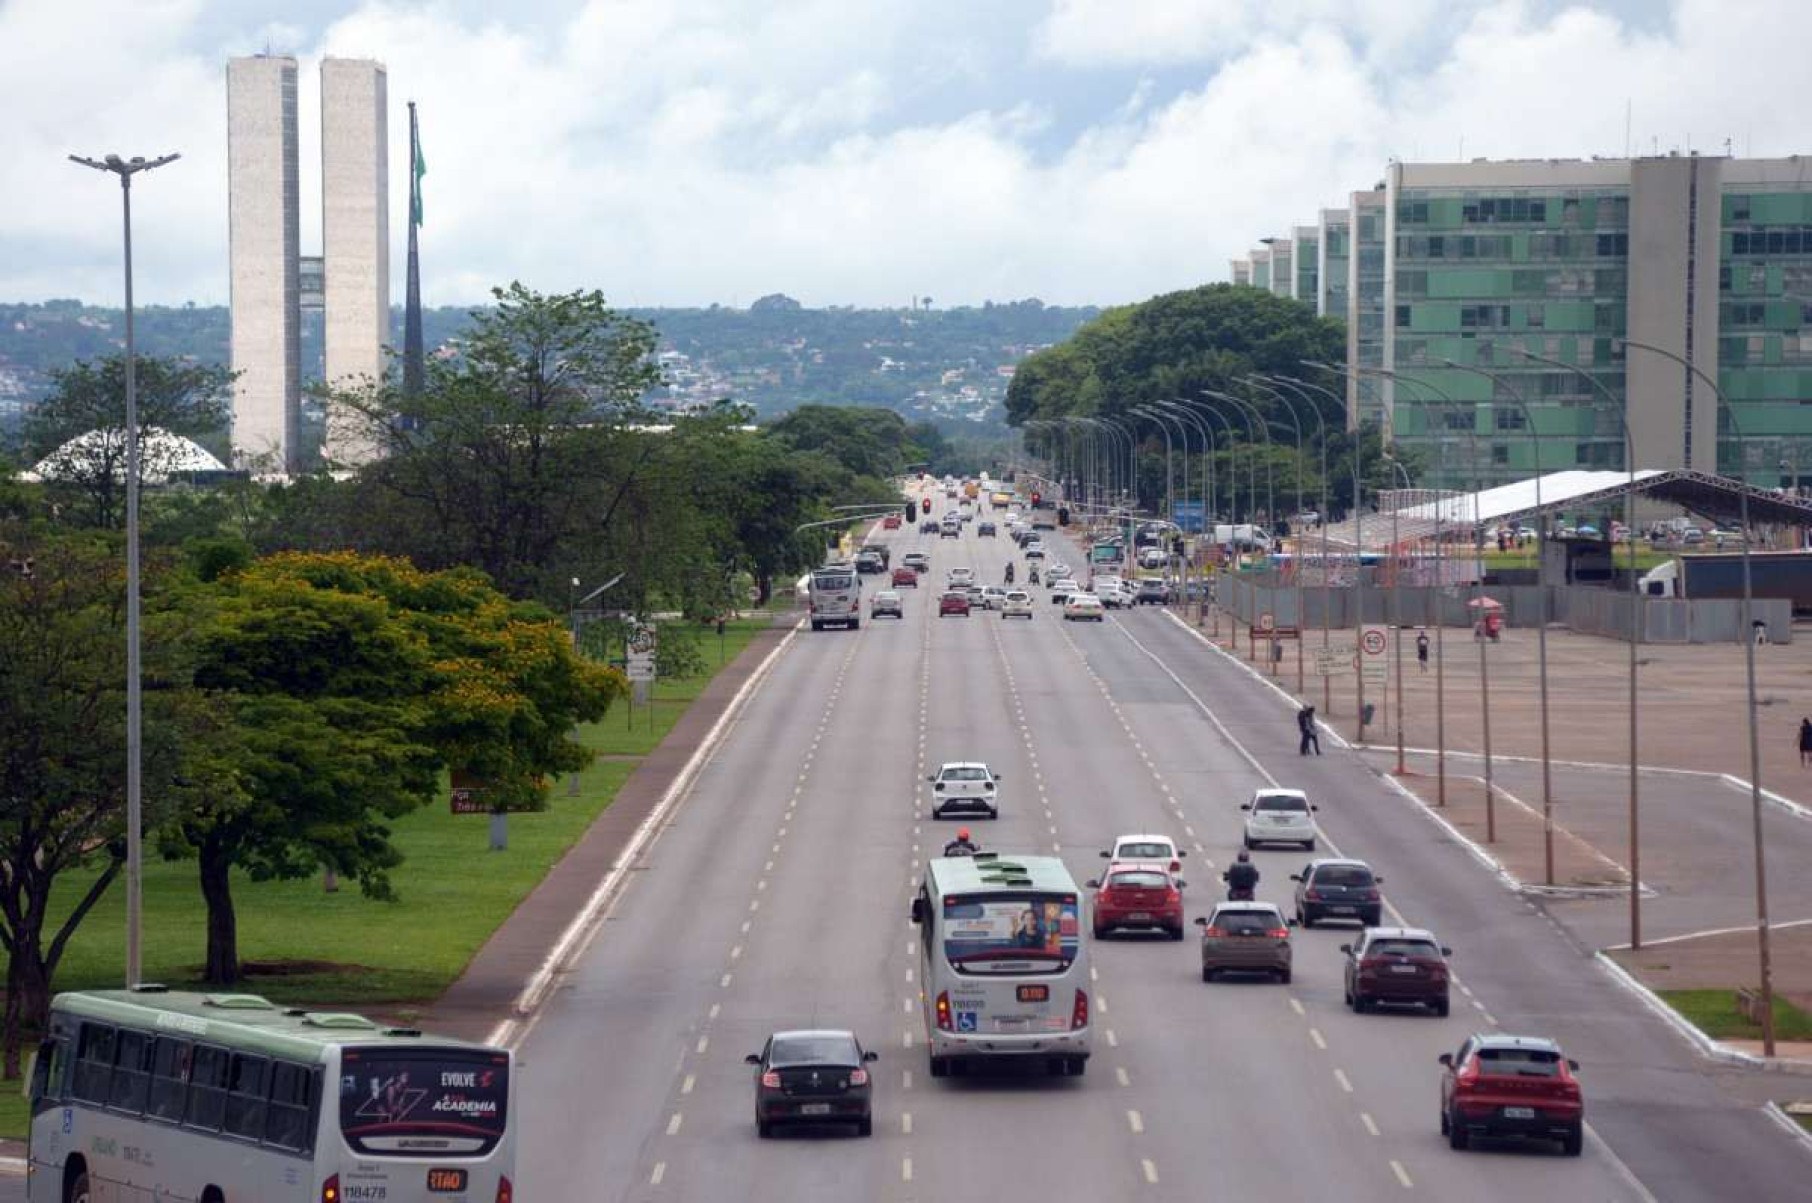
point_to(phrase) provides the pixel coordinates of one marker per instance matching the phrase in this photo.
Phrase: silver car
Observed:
(1280, 816)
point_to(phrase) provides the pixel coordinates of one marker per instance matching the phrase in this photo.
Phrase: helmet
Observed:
(1244, 855)
(962, 833)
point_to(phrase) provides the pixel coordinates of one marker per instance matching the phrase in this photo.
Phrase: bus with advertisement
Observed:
(1003, 962)
(158, 1094)
(834, 594)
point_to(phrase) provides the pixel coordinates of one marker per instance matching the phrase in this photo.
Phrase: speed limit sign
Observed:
(1374, 669)
(1373, 641)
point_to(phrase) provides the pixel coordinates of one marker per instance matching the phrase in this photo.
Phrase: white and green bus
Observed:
(1003, 963)
(150, 1094)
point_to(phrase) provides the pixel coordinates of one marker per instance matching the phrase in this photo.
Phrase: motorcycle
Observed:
(1245, 892)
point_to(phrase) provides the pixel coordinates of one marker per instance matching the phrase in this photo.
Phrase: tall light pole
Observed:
(1327, 686)
(1170, 493)
(1276, 394)
(125, 169)
(1396, 598)
(1747, 633)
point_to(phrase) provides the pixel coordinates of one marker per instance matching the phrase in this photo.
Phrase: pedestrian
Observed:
(1305, 723)
(1805, 742)
(1422, 650)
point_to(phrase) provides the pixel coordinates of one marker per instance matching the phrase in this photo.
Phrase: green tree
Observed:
(866, 440)
(350, 683)
(80, 428)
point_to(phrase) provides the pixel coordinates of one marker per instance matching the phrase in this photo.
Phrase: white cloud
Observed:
(857, 151)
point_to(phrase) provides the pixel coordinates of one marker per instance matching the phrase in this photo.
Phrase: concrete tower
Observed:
(264, 210)
(355, 235)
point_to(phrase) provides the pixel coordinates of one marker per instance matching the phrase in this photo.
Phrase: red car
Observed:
(1138, 895)
(953, 603)
(1511, 1086)
(1396, 965)
(891, 522)
(906, 577)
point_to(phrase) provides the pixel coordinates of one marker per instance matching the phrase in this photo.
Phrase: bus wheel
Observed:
(1077, 1065)
(77, 1191)
(939, 1067)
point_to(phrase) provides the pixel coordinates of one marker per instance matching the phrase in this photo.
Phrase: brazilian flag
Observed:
(421, 169)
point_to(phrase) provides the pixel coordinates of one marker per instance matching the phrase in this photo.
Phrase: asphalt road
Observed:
(778, 897)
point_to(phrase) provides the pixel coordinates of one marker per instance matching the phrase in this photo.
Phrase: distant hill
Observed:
(944, 365)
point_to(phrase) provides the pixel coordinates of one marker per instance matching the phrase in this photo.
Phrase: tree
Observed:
(351, 683)
(80, 427)
(62, 743)
(866, 440)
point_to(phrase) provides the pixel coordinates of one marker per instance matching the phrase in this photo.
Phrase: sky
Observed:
(853, 152)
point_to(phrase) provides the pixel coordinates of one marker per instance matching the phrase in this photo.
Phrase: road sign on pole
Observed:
(1335, 660)
(643, 641)
(1374, 666)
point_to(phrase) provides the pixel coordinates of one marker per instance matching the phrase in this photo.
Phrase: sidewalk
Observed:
(486, 993)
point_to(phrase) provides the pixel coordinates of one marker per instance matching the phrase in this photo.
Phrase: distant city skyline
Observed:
(856, 152)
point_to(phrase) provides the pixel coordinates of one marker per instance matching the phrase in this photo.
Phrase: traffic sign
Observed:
(643, 641)
(1335, 660)
(1374, 642)
(1267, 621)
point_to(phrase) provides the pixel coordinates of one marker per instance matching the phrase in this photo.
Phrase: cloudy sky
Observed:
(855, 152)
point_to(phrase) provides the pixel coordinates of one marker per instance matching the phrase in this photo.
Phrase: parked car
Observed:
(1498, 1085)
(954, 601)
(905, 578)
(1138, 896)
(1396, 965)
(1246, 937)
(1280, 816)
(886, 602)
(1084, 607)
(1338, 889)
(965, 785)
(1016, 604)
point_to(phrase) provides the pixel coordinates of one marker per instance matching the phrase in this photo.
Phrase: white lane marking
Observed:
(754, 904)
(909, 975)
(908, 1007)
(1365, 1117)
(1120, 1075)
(745, 926)
(1296, 1006)
(1151, 1171)
(1094, 975)
(768, 868)
(906, 1040)
(704, 1042)
(673, 1125)
(1113, 1041)
(1101, 1003)
(762, 884)
(736, 952)
(906, 1169)
(1315, 1035)
(1346, 1083)
(686, 1086)
(906, 1123)
(660, 1171)
(715, 1008)
(723, 983)
(906, 1080)
(776, 848)
(1396, 1167)
(1135, 1121)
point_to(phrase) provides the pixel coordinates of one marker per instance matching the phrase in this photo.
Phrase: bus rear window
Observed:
(1003, 933)
(427, 1102)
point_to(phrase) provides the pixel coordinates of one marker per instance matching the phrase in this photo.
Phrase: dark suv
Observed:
(1396, 965)
(1338, 889)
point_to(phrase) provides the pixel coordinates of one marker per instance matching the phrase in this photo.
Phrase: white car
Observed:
(1016, 604)
(886, 601)
(964, 785)
(1063, 589)
(959, 576)
(993, 597)
(1147, 848)
(1059, 571)
(1280, 816)
(1153, 557)
(1081, 607)
(1113, 592)
(1034, 550)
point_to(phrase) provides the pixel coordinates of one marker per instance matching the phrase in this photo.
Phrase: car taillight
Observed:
(1312, 895)
(858, 1077)
(1079, 1014)
(1213, 933)
(771, 1079)
(1279, 933)
(330, 1190)
(1176, 866)
(1371, 895)
(943, 1013)
(505, 1192)
(1468, 1077)
(1173, 895)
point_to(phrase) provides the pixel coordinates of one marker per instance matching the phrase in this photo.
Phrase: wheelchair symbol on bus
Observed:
(965, 1021)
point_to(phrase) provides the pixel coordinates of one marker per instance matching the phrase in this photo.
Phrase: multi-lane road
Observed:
(778, 897)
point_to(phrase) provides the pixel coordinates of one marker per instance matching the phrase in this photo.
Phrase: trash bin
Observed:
(1277, 650)
(1365, 715)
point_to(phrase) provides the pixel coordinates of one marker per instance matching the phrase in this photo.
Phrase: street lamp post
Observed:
(1170, 493)
(125, 169)
(1327, 686)
(1396, 598)
(1763, 951)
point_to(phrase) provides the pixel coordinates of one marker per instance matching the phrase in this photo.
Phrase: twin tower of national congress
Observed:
(272, 282)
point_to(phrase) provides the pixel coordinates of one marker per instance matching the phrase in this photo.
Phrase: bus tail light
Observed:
(1079, 1014)
(330, 1190)
(505, 1192)
(943, 1012)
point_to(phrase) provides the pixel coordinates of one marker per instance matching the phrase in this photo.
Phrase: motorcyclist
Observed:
(1034, 575)
(1009, 574)
(962, 845)
(1241, 878)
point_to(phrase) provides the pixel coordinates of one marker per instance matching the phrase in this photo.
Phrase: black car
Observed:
(984, 529)
(929, 527)
(1338, 889)
(813, 1077)
(868, 561)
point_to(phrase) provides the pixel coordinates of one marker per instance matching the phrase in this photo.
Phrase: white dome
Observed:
(162, 453)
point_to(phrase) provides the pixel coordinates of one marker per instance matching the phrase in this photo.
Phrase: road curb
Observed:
(1693, 1034)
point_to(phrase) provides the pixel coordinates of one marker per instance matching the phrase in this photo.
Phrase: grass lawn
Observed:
(342, 950)
(1714, 1013)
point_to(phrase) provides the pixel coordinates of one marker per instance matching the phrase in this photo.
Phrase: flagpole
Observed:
(412, 304)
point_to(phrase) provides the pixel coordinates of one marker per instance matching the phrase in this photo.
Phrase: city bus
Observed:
(217, 1098)
(835, 595)
(1003, 964)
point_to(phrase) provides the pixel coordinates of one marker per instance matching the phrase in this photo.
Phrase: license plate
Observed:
(1030, 994)
(1341, 910)
(446, 1181)
(1519, 1113)
(1139, 917)
(1404, 969)
(814, 1109)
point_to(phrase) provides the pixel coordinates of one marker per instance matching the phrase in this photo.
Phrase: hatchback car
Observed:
(965, 785)
(813, 1077)
(1138, 896)
(1246, 937)
(959, 576)
(1034, 550)
(1152, 591)
(985, 530)
(1280, 816)
(886, 603)
(928, 527)
(1159, 849)
(891, 522)
(993, 597)
(870, 561)
(1396, 965)
(1338, 889)
(1059, 571)
(905, 578)
(1084, 607)
(953, 602)
(1062, 590)
(918, 561)
(1016, 604)
(950, 530)
(1522, 1086)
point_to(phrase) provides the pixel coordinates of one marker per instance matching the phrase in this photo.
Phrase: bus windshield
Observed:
(423, 1102)
(1011, 933)
(840, 578)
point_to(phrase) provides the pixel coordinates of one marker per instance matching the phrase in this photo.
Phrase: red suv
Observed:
(1511, 1086)
(1138, 895)
(1396, 965)
(906, 577)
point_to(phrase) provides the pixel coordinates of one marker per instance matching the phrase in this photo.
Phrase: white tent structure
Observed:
(162, 454)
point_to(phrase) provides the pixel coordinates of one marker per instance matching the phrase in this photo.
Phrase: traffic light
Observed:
(909, 511)
(926, 502)
(1036, 498)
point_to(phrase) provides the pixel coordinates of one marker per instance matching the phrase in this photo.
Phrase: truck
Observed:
(1242, 535)
(1785, 574)
(971, 490)
(1000, 501)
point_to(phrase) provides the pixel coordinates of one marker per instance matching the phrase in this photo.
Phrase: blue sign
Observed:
(1187, 515)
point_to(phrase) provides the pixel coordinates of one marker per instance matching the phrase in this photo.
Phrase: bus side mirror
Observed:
(871, 1056)
(918, 910)
(1445, 1059)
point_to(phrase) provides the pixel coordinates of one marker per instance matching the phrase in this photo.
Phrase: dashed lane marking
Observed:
(715, 1008)
(1365, 1117)
(660, 1171)
(906, 1123)
(1296, 1006)
(1113, 1041)
(686, 1086)
(723, 983)
(1135, 1121)
(1120, 1075)
(1151, 1171)
(905, 1169)
(906, 1079)
(673, 1125)
(1396, 1167)
(1345, 1082)
(704, 1042)
(1315, 1035)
